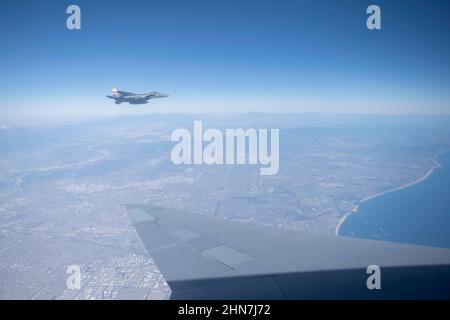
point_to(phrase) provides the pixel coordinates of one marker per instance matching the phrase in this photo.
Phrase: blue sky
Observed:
(224, 56)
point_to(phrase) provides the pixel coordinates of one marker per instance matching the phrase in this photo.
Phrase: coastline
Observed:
(409, 184)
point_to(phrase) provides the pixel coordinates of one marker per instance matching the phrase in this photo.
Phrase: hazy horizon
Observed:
(30, 122)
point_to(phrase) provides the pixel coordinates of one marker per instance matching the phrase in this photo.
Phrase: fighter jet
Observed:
(134, 98)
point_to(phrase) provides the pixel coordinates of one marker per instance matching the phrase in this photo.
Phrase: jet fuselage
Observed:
(134, 98)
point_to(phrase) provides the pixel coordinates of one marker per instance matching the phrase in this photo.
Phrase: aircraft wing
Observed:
(207, 257)
(125, 93)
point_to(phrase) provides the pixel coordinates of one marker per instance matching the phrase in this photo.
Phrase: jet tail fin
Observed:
(115, 92)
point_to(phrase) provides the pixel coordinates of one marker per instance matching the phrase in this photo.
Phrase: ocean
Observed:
(418, 214)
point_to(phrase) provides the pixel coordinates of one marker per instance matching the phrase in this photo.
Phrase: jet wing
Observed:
(207, 257)
(125, 93)
(134, 96)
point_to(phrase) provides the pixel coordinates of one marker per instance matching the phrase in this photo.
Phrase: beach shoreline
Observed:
(409, 184)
